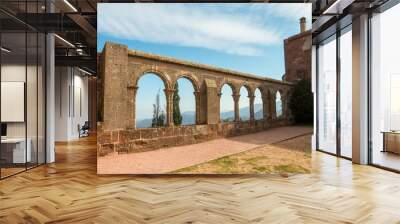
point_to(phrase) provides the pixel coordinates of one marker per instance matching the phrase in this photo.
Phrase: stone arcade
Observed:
(120, 69)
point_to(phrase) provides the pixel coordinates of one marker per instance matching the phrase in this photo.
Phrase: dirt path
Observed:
(174, 158)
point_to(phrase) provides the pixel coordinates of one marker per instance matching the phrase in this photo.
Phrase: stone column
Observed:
(266, 106)
(219, 107)
(272, 107)
(286, 109)
(283, 99)
(132, 90)
(251, 100)
(197, 100)
(236, 100)
(169, 93)
(210, 102)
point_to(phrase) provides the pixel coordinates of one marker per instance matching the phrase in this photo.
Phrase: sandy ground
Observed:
(287, 157)
(167, 160)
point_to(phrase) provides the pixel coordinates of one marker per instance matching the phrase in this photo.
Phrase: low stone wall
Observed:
(146, 139)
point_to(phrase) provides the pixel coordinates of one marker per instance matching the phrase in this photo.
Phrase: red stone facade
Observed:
(298, 57)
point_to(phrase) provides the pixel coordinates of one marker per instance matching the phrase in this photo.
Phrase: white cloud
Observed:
(232, 30)
(290, 11)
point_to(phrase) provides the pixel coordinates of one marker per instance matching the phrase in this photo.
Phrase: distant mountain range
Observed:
(189, 117)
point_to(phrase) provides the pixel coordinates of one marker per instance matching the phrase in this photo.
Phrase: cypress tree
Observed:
(161, 119)
(176, 110)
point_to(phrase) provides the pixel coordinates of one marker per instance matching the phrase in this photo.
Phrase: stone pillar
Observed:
(251, 100)
(197, 100)
(287, 114)
(115, 87)
(284, 101)
(132, 90)
(211, 102)
(266, 106)
(219, 106)
(236, 100)
(169, 93)
(272, 107)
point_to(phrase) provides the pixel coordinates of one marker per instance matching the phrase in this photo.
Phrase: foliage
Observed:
(301, 102)
(158, 113)
(176, 110)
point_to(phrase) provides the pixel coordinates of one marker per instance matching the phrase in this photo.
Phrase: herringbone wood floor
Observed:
(69, 191)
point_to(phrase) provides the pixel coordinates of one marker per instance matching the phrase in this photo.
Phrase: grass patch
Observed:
(290, 168)
(260, 169)
(287, 157)
(225, 161)
(255, 160)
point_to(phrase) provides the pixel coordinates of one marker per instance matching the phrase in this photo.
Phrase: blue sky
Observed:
(242, 37)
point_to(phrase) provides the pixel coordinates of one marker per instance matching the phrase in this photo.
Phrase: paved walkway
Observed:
(169, 159)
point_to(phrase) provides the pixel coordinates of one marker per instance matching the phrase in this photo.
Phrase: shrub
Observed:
(301, 102)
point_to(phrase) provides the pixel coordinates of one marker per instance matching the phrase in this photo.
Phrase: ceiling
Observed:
(73, 21)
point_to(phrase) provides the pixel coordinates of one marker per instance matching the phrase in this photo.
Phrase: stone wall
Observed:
(145, 139)
(298, 57)
(121, 69)
(119, 72)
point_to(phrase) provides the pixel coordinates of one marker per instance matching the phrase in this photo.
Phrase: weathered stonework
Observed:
(146, 139)
(120, 70)
(298, 57)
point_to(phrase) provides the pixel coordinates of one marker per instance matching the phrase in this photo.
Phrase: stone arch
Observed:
(263, 89)
(231, 84)
(193, 79)
(269, 102)
(163, 76)
(233, 97)
(138, 93)
(245, 100)
(250, 89)
(263, 114)
(196, 88)
(279, 97)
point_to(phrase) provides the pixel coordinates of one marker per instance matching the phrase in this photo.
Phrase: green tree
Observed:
(161, 119)
(158, 114)
(301, 102)
(176, 110)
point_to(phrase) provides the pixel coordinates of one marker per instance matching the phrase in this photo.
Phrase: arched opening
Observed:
(150, 102)
(184, 102)
(258, 105)
(278, 105)
(226, 106)
(244, 104)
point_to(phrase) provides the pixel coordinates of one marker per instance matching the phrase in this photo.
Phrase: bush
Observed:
(301, 102)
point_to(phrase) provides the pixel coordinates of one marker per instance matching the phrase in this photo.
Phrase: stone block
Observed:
(104, 149)
(146, 133)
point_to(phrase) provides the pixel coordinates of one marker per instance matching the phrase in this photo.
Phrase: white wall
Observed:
(33, 126)
(16, 73)
(71, 94)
